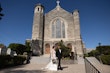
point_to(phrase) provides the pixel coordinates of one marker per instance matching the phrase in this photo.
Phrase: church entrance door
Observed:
(47, 48)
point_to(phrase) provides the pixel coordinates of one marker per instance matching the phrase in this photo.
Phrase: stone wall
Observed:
(42, 30)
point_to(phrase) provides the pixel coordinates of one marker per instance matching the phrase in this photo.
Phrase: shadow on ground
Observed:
(65, 67)
(24, 71)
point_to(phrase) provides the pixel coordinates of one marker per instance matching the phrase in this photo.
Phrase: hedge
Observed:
(8, 61)
(105, 59)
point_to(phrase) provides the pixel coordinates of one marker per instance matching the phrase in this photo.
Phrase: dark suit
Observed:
(59, 56)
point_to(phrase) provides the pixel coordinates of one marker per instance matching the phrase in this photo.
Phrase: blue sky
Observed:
(16, 25)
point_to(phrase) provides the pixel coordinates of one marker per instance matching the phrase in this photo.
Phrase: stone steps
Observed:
(44, 59)
(80, 60)
(39, 60)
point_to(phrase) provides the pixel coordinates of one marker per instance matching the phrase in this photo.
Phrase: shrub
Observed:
(103, 50)
(66, 51)
(8, 61)
(93, 53)
(5, 60)
(18, 60)
(105, 59)
(19, 48)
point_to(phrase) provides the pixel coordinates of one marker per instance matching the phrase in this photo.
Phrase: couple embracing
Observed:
(55, 59)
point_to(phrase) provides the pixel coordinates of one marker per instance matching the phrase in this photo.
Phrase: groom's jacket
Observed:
(59, 54)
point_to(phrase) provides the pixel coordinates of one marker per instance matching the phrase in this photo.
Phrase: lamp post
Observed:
(100, 48)
(100, 52)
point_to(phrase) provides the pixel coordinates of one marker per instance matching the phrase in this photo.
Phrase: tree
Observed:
(28, 47)
(2, 45)
(66, 51)
(94, 53)
(102, 53)
(19, 48)
(0, 12)
(103, 50)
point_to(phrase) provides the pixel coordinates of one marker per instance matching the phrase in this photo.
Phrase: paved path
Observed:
(37, 63)
(37, 68)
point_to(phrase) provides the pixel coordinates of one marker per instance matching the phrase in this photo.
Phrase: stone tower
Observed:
(78, 41)
(37, 32)
(56, 25)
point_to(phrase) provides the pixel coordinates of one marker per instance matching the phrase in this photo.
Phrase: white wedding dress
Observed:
(50, 65)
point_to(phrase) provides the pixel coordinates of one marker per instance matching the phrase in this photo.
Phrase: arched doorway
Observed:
(69, 46)
(47, 48)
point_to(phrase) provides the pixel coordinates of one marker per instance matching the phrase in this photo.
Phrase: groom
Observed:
(59, 56)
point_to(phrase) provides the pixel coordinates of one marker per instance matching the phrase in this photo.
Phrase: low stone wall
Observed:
(93, 62)
(90, 68)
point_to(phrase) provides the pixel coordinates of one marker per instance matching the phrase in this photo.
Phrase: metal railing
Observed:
(90, 68)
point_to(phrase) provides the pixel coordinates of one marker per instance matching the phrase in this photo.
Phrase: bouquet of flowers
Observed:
(54, 61)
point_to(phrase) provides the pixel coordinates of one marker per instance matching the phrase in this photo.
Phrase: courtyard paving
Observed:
(37, 68)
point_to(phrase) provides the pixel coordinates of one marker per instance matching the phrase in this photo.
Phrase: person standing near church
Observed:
(59, 56)
(52, 65)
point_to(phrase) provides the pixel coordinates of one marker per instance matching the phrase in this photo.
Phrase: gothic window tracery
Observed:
(58, 29)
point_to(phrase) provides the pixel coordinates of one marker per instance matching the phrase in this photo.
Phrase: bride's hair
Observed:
(53, 47)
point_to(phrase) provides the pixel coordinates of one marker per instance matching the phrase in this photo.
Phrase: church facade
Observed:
(54, 26)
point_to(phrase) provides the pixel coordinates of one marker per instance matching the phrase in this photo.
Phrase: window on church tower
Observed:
(58, 29)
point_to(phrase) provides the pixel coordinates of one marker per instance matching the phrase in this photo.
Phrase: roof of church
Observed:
(58, 8)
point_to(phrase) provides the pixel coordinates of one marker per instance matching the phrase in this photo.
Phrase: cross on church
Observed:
(58, 3)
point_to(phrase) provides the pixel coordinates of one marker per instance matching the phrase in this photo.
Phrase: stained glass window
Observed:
(58, 29)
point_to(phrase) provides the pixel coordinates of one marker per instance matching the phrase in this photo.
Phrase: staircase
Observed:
(80, 60)
(39, 59)
(45, 59)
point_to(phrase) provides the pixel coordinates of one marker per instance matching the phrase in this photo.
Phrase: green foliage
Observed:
(105, 59)
(19, 48)
(19, 60)
(100, 50)
(101, 53)
(86, 55)
(2, 45)
(28, 47)
(8, 61)
(66, 51)
(93, 53)
(103, 50)
(4, 60)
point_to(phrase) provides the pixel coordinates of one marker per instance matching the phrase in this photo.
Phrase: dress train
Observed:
(51, 66)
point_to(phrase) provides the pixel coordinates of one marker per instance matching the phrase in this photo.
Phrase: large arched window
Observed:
(58, 29)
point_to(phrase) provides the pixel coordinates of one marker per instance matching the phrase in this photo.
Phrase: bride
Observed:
(52, 65)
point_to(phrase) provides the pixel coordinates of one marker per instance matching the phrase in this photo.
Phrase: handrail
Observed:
(90, 68)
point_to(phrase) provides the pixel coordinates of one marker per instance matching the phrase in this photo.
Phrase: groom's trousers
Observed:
(59, 63)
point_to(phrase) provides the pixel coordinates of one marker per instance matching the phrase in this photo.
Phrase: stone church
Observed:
(54, 26)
